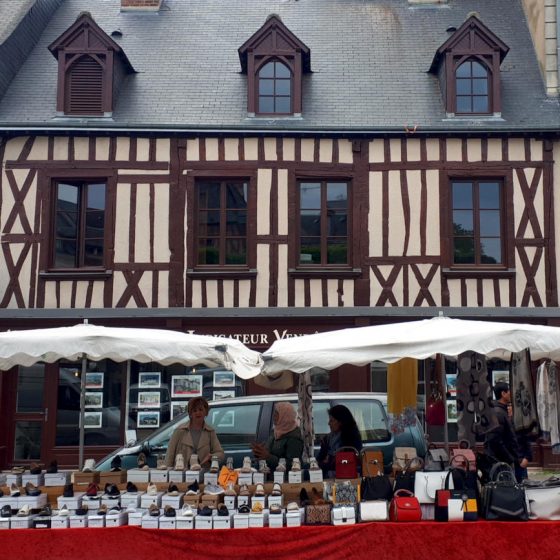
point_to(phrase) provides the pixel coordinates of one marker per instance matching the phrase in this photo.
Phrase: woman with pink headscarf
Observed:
(286, 441)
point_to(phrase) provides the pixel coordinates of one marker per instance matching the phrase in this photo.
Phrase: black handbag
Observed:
(503, 498)
(376, 488)
(404, 480)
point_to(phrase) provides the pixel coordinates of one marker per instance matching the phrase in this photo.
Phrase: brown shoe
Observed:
(102, 510)
(153, 510)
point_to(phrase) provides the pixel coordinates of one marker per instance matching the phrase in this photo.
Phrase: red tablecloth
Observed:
(376, 541)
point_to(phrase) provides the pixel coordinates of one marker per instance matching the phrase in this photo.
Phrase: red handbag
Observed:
(405, 507)
(346, 463)
(435, 410)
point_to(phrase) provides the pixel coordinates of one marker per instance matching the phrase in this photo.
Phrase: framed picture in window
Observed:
(94, 399)
(94, 379)
(177, 408)
(148, 419)
(500, 376)
(451, 381)
(186, 386)
(92, 419)
(227, 420)
(224, 379)
(452, 411)
(147, 379)
(149, 399)
(219, 395)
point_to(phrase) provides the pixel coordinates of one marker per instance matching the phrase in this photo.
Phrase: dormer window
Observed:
(468, 67)
(274, 60)
(91, 69)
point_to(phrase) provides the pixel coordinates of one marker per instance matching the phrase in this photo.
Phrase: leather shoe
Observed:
(32, 490)
(153, 510)
(169, 511)
(68, 491)
(6, 511)
(131, 488)
(116, 463)
(206, 511)
(112, 490)
(35, 468)
(92, 489)
(53, 467)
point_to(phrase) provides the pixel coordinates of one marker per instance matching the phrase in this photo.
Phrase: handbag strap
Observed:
(403, 492)
(348, 447)
(465, 460)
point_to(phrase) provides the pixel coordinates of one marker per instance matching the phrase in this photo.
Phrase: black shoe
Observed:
(53, 467)
(131, 488)
(206, 511)
(169, 511)
(83, 510)
(68, 491)
(223, 510)
(193, 488)
(303, 497)
(116, 463)
(112, 490)
(32, 490)
(35, 469)
(172, 489)
(6, 511)
(46, 511)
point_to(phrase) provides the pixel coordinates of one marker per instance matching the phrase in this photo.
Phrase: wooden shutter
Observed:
(84, 88)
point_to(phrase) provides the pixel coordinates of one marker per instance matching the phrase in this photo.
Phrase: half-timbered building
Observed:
(263, 169)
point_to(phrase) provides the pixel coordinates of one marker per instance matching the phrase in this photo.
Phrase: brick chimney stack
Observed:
(149, 5)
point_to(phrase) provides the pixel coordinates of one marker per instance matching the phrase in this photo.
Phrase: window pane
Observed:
(236, 251)
(266, 87)
(236, 195)
(337, 251)
(310, 222)
(93, 252)
(490, 223)
(236, 223)
(310, 195)
(235, 425)
(464, 71)
(337, 195)
(480, 86)
(283, 87)
(67, 197)
(28, 440)
(283, 105)
(208, 195)
(96, 197)
(478, 70)
(267, 71)
(464, 87)
(310, 251)
(209, 251)
(266, 104)
(338, 224)
(462, 195)
(282, 71)
(65, 254)
(464, 104)
(463, 222)
(489, 194)
(480, 104)
(209, 222)
(95, 222)
(67, 225)
(490, 251)
(31, 381)
(463, 250)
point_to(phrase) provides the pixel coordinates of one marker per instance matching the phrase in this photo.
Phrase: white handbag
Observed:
(543, 502)
(343, 515)
(426, 484)
(374, 510)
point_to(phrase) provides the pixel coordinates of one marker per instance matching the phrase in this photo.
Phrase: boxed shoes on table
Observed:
(116, 520)
(159, 475)
(72, 503)
(36, 479)
(57, 479)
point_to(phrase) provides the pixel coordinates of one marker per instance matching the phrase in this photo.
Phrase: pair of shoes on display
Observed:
(223, 510)
(161, 465)
(92, 490)
(68, 491)
(105, 510)
(259, 490)
(263, 467)
(179, 462)
(229, 463)
(246, 468)
(169, 511)
(53, 467)
(194, 464)
(131, 488)
(313, 464)
(205, 511)
(151, 490)
(187, 511)
(82, 510)
(244, 509)
(193, 489)
(142, 462)
(32, 490)
(213, 489)
(102, 510)
(35, 468)
(89, 465)
(215, 465)
(14, 490)
(276, 489)
(275, 509)
(281, 467)
(257, 507)
(292, 506)
(6, 511)
(112, 490)
(116, 463)
(172, 489)
(17, 469)
(64, 511)
(24, 511)
(153, 510)
(244, 490)
(230, 490)
(296, 464)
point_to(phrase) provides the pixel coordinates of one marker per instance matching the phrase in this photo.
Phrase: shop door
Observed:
(30, 418)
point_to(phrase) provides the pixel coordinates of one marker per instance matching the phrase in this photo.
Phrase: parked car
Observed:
(240, 421)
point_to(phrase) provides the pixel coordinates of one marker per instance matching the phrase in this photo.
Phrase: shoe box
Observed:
(117, 477)
(150, 521)
(258, 478)
(243, 501)
(343, 515)
(275, 500)
(276, 520)
(72, 503)
(191, 476)
(4, 523)
(135, 517)
(295, 518)
(184, 522)
(131, 499)
(159, 475)
(34, 502)
(212, 500)
(230, 502)
(42, 522)
(36, 479)
(85, 478)
(192, 499)
(176, 476)
(22, 522)
(146, 500)
(295, 477)
(245, 478)
(210, 478)
(116, 519)
(96, 521)
(78, 521)
(13, 479)
(92, 502)
(203, 522)
(110, 501)
(167, 522)
(60, 522)
(138, 475)
(222, 521)
(258, 500)
(175, 502)
(57, 479)
(241, 520)
(9, 501)
(315, 476)
(279, 477)
(257, 520)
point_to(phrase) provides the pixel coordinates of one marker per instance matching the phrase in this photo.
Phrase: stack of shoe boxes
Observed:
(57, 479)
(135, 518)
(175, 502)
(241, 521)
(257, 520)
(150, 521)
(176, 476)
(276, 520)
(146, 500)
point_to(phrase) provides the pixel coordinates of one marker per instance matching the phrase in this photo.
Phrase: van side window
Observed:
(371, 419)
(235, 425)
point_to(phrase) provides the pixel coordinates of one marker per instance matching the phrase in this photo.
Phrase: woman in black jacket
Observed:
(344, 433)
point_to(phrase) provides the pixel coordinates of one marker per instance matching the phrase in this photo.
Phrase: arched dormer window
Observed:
(468, 67)
(472, 87)
(91, 69)
(274, 60)
(274, 88)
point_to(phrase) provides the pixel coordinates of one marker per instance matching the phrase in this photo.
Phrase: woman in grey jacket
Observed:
(195, 437)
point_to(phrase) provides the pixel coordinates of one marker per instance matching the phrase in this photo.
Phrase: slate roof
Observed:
(369, 61)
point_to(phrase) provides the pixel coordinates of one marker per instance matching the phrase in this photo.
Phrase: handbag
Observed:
(426, 484)
(346, 463)
(503, 498)
(403, 458)
(376, 488)
(404, 479)
(345, 493)
(436, 459)
(461, 453)
(455, 505)
(318, 514)
(404, 507)
(543, 498)
(375, 510)
(435, 410)
(345, 515)
(372, 462)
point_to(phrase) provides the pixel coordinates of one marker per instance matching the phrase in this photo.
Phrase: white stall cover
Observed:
(414, 339)
(27, 347)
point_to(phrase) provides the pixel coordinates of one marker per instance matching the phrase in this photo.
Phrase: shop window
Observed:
(222, 228)
(79, 225)
(324, 223)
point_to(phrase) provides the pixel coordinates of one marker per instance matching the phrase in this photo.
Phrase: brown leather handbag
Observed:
(372, 463)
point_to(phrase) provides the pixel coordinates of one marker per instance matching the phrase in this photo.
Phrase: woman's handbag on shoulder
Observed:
(346, 462)
(404, 507)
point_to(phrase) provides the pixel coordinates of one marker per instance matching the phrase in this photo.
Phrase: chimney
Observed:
(146, 5)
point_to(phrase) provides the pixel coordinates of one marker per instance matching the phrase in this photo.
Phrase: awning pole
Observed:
(82, 412)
